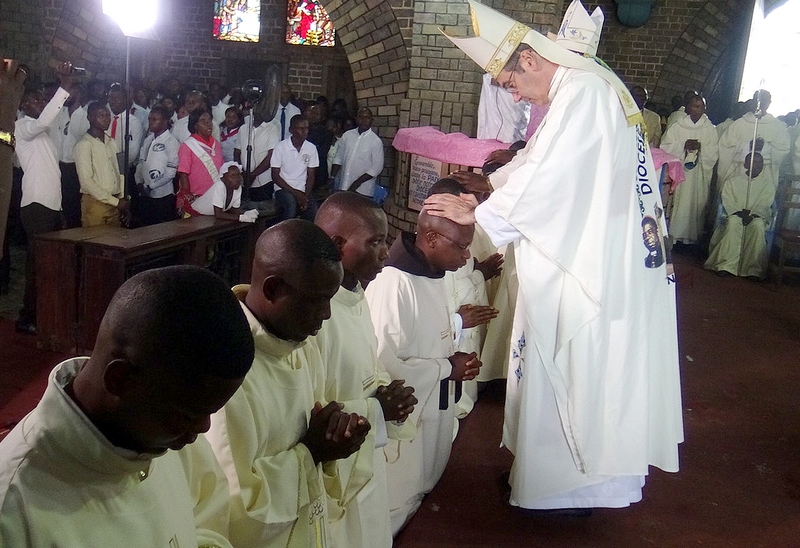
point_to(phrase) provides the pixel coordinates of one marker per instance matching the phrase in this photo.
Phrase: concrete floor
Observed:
(739, 484)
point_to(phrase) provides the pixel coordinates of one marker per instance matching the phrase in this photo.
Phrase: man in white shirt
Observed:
(218, 106)
(359, 157)
(260, 138)
(113, 454)
(294, 162)
(155, 173)
(286, 111)
(116, 130)
(141, 106)
(41, 182)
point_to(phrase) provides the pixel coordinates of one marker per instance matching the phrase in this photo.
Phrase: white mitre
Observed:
(579, 32)
(497, 37)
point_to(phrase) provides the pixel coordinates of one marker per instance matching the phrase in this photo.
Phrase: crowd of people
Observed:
(189, 153)
(734, 170)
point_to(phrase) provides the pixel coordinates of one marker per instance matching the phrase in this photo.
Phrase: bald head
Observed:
(444, 243)
(296, 272)
(344, 210)
(359, 228)
(181, 318)
(290, 249)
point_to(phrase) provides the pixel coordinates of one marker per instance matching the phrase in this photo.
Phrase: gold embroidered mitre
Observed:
(497, 37)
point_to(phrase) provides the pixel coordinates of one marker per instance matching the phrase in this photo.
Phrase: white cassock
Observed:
(691, 197)
(277, 491)
(727, 252)
(62, 483)
(467, 286)
(358, 508)
(593, 395)
(415, 340)
(734, 247)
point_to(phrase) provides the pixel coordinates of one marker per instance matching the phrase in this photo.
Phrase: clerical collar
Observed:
(406, 256)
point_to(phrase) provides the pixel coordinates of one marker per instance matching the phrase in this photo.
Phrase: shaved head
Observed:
(343, 210)
(290, 249)
(163, 318)
(173, 347)
(296, 272)
(359, 228)
(444, 243)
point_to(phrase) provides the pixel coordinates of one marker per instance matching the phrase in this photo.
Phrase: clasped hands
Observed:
(333, 434)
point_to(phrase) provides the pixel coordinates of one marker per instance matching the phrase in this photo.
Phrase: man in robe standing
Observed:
(593, 394)
(728, 252)
(693, 139)
(358, 507)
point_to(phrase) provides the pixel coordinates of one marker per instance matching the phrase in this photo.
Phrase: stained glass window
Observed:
(237, 20)
(308, 24)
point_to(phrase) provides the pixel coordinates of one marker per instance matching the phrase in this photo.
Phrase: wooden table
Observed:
(78, 270)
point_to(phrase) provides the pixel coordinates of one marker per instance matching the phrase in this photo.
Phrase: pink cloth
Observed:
(453, 148)
(674, 165)
(537, 115)
(199, 178)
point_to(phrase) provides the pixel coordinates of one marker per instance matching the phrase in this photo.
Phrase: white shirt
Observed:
(215, 197)
(263, 139)
(142, 114)
(291, 111)
(38, 157)
(72, 130)
(218, 112)
(136, 132)
(158, 163)
(359, 153)
(294, 164)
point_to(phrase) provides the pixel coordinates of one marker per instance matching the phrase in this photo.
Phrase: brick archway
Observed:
(371, 37)
(708, 56)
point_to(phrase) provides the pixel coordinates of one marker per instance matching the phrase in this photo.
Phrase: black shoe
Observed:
(25, 327)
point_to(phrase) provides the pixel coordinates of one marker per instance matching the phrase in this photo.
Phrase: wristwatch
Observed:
(7, 138)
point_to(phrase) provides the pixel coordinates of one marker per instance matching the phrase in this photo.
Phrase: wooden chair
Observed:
(787, 241)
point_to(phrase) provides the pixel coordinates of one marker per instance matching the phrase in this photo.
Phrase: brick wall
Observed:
(402, 67)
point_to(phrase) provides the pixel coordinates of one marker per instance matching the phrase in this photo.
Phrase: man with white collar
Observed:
(593, 394)
(117, 103)
(360, 157)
